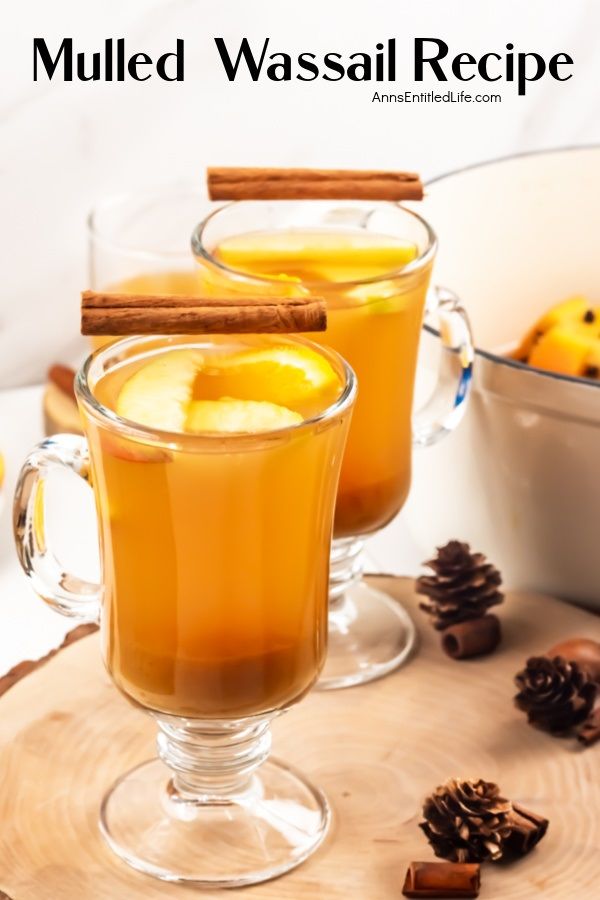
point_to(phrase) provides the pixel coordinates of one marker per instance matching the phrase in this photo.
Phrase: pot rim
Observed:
(487, 354)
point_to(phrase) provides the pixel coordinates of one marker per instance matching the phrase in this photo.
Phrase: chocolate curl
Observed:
(527, 830)
(432, 879)
(475, 637)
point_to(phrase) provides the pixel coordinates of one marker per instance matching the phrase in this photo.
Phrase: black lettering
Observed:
(522, 77)
(330, 63)
(244, 52)
(139, 59)
(392, 59)
(510, 63)
(365, 67)
(442, 51)
(41, 50)
(308, 66)
(482, 67)
(161, 63)
(96, 61)
(285, 65)
(379, 60)
(463, 59)
(121, 59)
(555, 62)
(108, 61)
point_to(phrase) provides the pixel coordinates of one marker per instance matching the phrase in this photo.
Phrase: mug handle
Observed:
(66, 593)
(448, 402)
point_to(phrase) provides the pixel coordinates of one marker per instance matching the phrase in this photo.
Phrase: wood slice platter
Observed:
(66, 735)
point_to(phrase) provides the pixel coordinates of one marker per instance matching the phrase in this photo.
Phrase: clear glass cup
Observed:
(139, 242)
(375, 323)
(213, 611)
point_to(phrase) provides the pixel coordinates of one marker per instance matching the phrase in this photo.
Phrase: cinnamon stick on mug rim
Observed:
(117, 314)
(255, 183)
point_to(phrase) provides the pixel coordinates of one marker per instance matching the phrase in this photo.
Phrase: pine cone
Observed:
(463, 587)
(555, 694)
(467, 821)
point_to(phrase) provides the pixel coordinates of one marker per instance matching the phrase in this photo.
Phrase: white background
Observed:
(63, 146)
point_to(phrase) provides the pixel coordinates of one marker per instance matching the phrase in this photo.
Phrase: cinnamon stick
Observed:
(233, 183)
(63, 377)
(528, 828)
(122, 314)
(442, 879)
(473, 637)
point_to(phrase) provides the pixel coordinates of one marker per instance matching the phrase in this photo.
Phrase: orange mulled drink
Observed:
(215, 501)
(214, 463)
(371, 262)
(375, 285)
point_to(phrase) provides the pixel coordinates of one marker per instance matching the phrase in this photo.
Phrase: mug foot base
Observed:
(255, 836)
(370, 635)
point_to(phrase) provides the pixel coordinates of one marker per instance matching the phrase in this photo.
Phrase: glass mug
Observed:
(140, 242)
(374, 321)
(213, 611)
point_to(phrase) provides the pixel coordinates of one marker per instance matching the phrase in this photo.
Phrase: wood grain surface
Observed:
(66, 734)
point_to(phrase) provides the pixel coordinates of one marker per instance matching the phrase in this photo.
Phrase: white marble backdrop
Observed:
(64, 145)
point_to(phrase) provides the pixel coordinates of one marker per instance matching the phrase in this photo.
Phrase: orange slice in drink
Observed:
(187, 390)
(316, 255)
(159, 393)
(234, 416)
(289, 376)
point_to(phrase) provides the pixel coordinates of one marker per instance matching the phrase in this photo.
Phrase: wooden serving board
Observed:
(66, 734)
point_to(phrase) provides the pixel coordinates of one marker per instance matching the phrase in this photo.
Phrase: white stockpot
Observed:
(520, 478)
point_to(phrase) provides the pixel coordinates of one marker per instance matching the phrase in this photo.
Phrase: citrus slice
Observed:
(158, 394)
(282, 374)
(309, 255)
(229, 415)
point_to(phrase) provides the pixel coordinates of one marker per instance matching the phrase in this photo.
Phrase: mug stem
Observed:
(212, 762)
(370, 633)
(346, 565)
(213, 809)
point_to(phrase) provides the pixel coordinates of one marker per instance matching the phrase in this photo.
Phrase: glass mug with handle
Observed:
(372, 263)
(214, 545)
